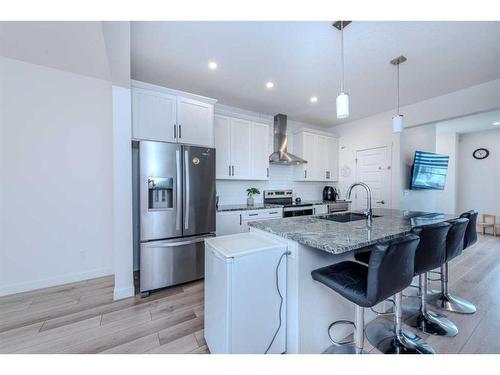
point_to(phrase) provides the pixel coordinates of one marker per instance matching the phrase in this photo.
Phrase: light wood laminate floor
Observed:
(83, 318)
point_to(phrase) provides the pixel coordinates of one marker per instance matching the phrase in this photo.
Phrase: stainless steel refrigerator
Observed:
(176, 212)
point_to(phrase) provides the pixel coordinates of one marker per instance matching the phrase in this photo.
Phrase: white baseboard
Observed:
(123, 293)
(53, 281)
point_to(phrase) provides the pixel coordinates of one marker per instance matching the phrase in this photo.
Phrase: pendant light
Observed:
(397, 119)
(343, 97)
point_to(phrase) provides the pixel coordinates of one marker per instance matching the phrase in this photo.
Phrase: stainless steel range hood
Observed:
(280, 154)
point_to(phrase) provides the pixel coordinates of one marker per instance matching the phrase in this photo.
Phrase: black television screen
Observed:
(429, 171)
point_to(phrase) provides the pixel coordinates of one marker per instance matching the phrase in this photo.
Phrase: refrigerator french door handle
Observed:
(186, 176)
(178, 190)
(182, 243)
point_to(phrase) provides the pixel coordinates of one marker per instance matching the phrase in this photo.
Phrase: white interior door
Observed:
(373, 167)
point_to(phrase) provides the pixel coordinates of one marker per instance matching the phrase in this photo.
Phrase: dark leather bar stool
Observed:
(389, 271)
(471, 232)
(431, 254)
(462, 234)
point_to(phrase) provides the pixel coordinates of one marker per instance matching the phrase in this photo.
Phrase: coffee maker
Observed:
(330, 193)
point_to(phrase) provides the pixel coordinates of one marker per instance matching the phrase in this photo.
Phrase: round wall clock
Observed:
(480, 153)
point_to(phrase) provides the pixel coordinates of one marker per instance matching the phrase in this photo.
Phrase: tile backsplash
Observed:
(281, 177)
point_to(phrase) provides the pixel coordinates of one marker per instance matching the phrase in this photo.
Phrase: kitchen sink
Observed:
(345, 218)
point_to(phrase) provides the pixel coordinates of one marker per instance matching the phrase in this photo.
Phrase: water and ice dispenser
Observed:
(160, 193)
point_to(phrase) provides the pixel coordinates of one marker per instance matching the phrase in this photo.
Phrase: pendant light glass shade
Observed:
(342, 105)
(397, 123)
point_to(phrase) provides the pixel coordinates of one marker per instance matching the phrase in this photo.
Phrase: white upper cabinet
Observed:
(161, 114)
(242, 149)
(333, 164)
(154, 115)
(321, 153)
(260, 141)
(222, 134)
(195, 122)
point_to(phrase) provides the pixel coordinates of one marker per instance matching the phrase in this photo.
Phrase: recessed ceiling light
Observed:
(496, 123)
(269, 85)
(313, 99)
(212, 65)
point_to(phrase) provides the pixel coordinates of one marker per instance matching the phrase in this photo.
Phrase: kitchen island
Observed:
(317, 241)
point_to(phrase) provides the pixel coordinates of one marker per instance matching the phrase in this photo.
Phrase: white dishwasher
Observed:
(243, 309)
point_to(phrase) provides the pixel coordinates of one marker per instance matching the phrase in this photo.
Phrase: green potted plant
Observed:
(251, 192)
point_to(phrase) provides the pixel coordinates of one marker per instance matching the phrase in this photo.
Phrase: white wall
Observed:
(372, 132)
(446, 200)
(479, 180)
(280, 176)
(376, 131)
(56, 173)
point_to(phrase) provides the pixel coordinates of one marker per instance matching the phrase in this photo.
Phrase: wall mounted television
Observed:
(429, 171)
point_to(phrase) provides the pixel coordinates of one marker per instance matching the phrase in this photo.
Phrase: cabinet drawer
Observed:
(262, 214)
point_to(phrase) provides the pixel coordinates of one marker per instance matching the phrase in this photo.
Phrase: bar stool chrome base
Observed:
(383, 337)
(344, 349)
(450, 302)
(393, 339)
(434, 324)
(429, 321)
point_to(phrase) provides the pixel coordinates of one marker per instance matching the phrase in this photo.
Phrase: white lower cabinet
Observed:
(231, 222)
(320, 209)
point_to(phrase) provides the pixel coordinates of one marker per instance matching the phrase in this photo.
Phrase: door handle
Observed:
(178, 187)
(186, 174)
(381, 202)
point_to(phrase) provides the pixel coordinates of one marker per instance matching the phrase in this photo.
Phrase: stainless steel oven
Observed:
(297, 210)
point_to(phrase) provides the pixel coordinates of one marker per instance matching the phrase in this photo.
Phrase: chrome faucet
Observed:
(369, 212)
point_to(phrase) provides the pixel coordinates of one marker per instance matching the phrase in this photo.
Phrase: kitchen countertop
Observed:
(244, 207)
(338, 238)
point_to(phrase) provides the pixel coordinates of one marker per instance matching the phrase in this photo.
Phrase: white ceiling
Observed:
(302, 59)
(76, 47)
(469, 124)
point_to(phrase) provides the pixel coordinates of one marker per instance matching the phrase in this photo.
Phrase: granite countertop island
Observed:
(337, 238)
(313, 243)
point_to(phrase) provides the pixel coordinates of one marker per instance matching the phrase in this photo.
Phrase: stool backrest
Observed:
(390, 269)
(470, 232)
(455, 238)
(431, 250)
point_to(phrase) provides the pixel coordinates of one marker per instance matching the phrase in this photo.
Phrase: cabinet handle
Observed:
(229, 170)
(232, 168)
(273, 213)
(267, 172)
(180, 136)
(240, 219)
(175, 131)
(305, 173)
(253, 214)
